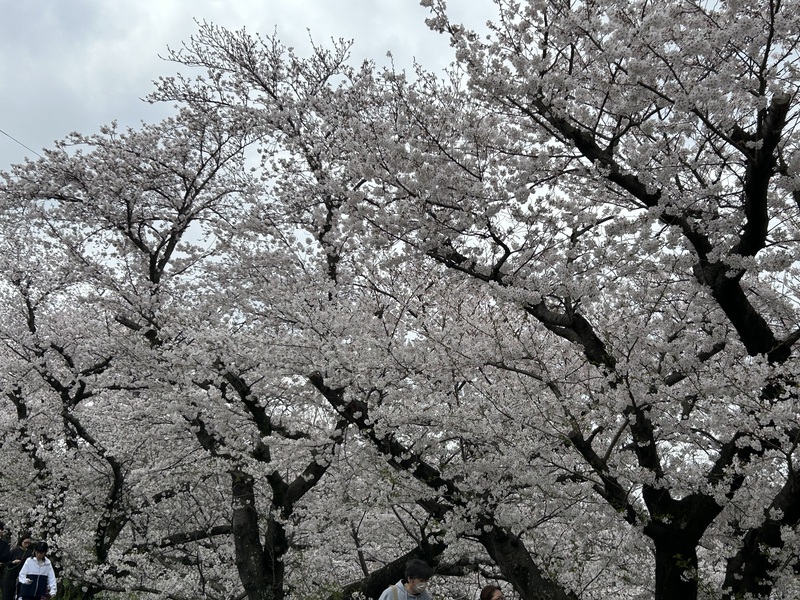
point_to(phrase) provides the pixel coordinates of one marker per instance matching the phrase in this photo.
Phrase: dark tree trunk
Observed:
(507, 550)
(373, 585)
(676, 570)
(748, 572)
(275, 549)
(259, 583)
(676, 561)
(516, 564)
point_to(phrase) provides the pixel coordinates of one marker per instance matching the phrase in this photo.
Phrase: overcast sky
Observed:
(74, 65)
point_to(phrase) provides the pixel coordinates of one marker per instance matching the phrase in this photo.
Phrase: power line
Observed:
(12, 138)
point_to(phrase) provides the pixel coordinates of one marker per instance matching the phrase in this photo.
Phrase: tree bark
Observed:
(259, 581)
(676, 563)
(506, 549)
(748, 571)
(375, 583)
(510, 554)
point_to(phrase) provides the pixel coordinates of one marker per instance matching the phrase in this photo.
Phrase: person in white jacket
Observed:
(37, 580)
(414, 586)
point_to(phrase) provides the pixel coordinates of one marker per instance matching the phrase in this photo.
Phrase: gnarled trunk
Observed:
(261, 573)
(516, 564)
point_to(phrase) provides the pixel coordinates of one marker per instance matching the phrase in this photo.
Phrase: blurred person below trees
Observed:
(5, 546)
(18, 556)
(414, 586)
(491, 592)
(36, 577)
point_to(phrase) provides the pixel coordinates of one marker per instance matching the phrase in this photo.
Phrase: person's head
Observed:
(418, 569)
(24, 539)
(491, 592)
(418, 572)
(40, 549)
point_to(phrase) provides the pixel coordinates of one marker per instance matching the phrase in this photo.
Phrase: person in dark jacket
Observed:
(18, 556)
(5, 546)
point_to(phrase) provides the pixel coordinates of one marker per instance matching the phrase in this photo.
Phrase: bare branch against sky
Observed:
(74, 66)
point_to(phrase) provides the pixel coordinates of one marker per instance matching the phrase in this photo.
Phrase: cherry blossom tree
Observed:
(128, 223)
(619, 183)
(90, 395)
(320, 270)
(624, 175)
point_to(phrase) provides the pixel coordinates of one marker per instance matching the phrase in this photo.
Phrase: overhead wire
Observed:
(12, 138)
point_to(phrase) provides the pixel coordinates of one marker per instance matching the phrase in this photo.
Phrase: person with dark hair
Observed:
(414, 585)
(37, 581)
(5, 546)
(18, 556)
(491, 592)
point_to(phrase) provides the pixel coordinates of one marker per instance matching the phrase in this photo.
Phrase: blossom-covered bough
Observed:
(647, 136)
(626, 176)
(96, 233)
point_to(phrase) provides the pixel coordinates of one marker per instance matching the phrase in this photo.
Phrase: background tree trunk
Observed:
(251, 562)
(514, 559)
